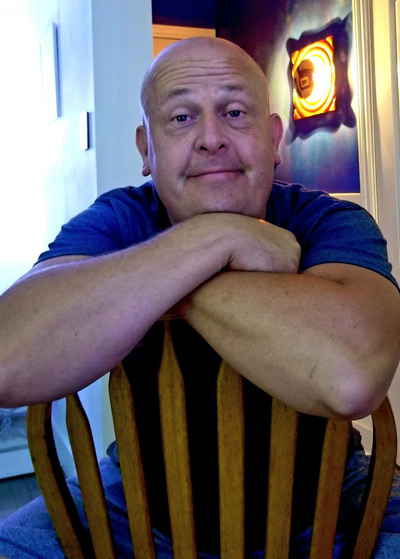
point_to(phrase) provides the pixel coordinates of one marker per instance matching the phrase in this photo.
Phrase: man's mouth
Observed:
(223, 171)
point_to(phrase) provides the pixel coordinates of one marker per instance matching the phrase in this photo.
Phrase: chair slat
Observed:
(132, 473)
(231, 462)
(176, 451)
(82, 445)
(333, 463)
(382, 470)
(77, 543)
(52, 484)
(284, 422)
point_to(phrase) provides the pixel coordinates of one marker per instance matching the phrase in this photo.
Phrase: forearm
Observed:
(64, 326)
(314, 343)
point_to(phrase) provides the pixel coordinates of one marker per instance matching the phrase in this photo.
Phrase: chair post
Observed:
(380, 479)
(132, 473)
(230, 415)
(50, 478)
(333, 463)
(81, 439)
(176, 451)
(284, 422)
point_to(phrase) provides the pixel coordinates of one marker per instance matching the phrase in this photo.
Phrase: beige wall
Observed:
(379, 143)
(165, 35)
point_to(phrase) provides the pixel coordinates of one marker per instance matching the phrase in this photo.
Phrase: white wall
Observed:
(380, 153)
(387, 124)
(22, 207)
(45, 178)
(122, 50)
(104, 49)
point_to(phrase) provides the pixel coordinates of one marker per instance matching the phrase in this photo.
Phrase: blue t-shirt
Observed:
(328, 230)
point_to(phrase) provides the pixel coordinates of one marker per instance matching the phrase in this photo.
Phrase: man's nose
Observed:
(211, 135)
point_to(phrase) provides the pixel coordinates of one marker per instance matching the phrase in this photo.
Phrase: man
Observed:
(291, 287)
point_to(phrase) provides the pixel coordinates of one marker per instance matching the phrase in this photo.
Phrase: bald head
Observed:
(200, 52)
(208, 139)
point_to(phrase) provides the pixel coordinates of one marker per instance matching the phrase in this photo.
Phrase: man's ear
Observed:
(143, 147)
(276, 129)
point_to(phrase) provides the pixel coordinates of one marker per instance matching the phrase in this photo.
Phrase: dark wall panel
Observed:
(327, 157)
(187, 13)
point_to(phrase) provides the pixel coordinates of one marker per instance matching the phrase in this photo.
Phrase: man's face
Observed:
(210, 143)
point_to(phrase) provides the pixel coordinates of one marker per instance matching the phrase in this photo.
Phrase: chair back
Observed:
(231, 463)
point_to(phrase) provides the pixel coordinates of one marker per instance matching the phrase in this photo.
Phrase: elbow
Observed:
(363, 370)
(362, 388)
(356, 401)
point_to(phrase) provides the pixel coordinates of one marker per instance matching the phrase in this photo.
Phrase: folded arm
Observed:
(71, 319)
(326, 342)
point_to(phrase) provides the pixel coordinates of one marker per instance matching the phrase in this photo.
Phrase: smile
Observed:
(216, 173)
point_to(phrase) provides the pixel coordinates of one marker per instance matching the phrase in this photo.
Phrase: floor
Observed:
(16, 492)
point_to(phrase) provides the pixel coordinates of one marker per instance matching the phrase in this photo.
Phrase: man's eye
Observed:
(235, 113)
(181, 118)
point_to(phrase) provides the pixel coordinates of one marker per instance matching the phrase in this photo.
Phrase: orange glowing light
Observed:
(313, 74)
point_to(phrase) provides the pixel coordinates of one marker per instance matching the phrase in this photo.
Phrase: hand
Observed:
(255, 245)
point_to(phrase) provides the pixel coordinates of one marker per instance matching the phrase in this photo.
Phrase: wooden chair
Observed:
(230, 426)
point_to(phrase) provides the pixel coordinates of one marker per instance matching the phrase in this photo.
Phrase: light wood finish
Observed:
(380, 479)
(281, 477)
(176, 452)
(132, 473)
(230, 427)
(333, 463)
(51, 481)
(178, 32)
(87, 468)
(165, 35)
(231, 461)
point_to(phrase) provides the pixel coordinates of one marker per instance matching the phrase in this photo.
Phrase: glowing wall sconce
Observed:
(313, 73)
(317, 73)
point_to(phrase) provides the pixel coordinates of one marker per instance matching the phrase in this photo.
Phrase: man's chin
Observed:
(232, 209)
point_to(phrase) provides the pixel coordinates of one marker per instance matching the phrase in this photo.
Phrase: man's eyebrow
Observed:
(177, 93)
(182, 91)
(233, 87)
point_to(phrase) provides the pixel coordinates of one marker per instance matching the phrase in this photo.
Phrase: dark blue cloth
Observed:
(328, 230)
(29, 533)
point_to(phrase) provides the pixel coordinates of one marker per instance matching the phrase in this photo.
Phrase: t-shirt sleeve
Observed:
(344, 232)
(91, 233)
(329, 230)
(116, 220)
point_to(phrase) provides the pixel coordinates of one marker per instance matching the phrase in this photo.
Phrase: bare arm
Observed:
(326, 342)
(70, 320)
